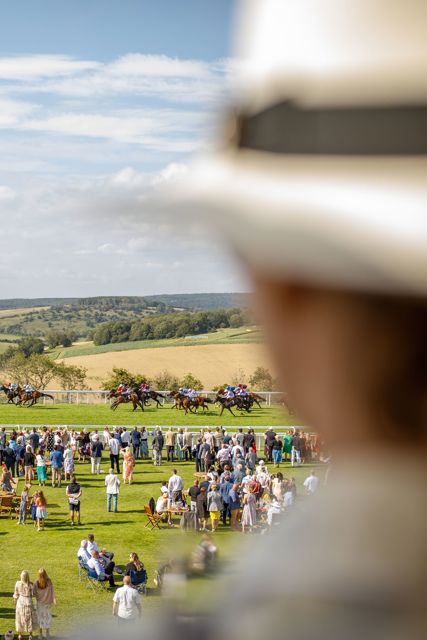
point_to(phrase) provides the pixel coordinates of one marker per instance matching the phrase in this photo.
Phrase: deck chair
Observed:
(6, 505)
(93, 583)
(153, 518)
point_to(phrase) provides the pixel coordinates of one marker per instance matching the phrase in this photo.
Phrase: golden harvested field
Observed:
(213, 364)
(7, 313)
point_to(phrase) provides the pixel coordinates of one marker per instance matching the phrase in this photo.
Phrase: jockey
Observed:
(12, 386)
(244, 390)
(193, 394)
(184, 391)
(229, 392)
(28, 390)
(123, 389)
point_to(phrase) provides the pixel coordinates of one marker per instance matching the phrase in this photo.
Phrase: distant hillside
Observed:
(79, 317)
(28, 303)
(204, 301)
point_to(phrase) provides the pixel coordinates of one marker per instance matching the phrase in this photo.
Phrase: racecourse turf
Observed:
(101, 414)
(55, 548)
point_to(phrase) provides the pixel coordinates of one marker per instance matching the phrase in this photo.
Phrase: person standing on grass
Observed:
(135, 438)
(127, 603)
(112, 483)
(114, 445)
(24, 611)
(128, 465)
(45, 598)
(235, 506)
(56, 459)
(29, 461)
(170, 444)
(311, 483)
(175, 487)
(96, 449)
(23, 504)
(214, 505)
(68, 462)
(277, 451)
(144, 443)
(41, 468)
(157, 444)
(41, 512)
(74, 493)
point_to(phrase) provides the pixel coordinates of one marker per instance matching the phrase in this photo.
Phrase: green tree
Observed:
(262, 380)
(166, 381)
(30, 345)
(191, 382)
(70, 376)
(236, 320)
(120, 375)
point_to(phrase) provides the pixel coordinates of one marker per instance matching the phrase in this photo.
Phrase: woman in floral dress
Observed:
(25, 615)
(128, 465)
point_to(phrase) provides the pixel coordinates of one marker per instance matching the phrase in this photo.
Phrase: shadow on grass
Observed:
(7, 612)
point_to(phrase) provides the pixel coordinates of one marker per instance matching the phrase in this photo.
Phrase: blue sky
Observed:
(102, 104)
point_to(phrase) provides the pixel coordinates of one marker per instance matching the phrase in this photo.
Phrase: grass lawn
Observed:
(55, 548)
(100, 414)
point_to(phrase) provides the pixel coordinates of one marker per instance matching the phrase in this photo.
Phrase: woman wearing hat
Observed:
(321, 187)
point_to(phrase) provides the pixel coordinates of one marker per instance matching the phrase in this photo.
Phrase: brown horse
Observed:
(31, 399)
(181, 402)
(201, 401)
(119, 399)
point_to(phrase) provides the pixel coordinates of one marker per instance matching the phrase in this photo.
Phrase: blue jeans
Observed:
(277, 456)
(136, 451)
(115, 497)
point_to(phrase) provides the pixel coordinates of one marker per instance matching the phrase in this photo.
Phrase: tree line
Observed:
(174, 325)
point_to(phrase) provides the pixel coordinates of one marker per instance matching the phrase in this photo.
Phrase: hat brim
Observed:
(353, 222)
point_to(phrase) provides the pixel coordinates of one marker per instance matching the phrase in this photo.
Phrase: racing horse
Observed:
(118, 399)
(146, 396)
(10, 395)
(227, 403)
(200, 401)
(30, 399)
(181, 401)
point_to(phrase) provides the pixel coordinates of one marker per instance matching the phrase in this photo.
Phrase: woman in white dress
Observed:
(25, 615)
(45, 598)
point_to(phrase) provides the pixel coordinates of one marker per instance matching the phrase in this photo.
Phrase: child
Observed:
(41, 510)
(34, 508)
(23, 505)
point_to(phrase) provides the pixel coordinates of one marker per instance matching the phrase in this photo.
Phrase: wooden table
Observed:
(174, 511)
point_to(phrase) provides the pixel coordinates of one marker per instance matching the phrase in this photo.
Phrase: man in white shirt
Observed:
(127, 602)
(311, 483)
(175, 486)
(125, 437)
(114, 445)
(112, 483)
(102, 573)
(83, 554)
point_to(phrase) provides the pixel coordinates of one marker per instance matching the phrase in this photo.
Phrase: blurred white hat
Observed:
(322, 176)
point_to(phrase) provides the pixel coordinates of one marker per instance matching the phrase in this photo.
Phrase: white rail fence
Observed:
(61, 396)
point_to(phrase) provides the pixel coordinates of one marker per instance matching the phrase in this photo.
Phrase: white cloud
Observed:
(137, 64)
(6, 193)
(42, 66)
(12, 111)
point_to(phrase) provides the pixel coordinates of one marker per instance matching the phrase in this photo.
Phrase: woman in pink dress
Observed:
(128, 465)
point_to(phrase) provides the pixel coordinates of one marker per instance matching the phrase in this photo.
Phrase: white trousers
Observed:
(295, 456)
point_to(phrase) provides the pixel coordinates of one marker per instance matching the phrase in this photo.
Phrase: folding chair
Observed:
(153, 518)
(138, 580)
(6, 505)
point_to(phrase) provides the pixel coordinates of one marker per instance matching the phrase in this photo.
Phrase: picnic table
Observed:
(175, 511)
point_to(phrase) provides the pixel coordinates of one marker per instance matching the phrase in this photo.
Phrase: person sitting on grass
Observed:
(6, 480)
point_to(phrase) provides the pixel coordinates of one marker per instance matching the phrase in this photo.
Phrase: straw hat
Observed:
(322, 174)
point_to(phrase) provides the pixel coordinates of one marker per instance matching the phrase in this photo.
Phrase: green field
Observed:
(98, 414)
(242, 335)
(55, 548)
